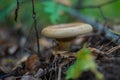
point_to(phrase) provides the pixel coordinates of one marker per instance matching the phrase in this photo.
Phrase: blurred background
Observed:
(49, 12)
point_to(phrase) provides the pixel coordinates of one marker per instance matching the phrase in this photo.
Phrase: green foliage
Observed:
(85, 61)
(24, 13)
(47, 12)
(6, 7)
(111, 11)
(50, 12)
(55, 11)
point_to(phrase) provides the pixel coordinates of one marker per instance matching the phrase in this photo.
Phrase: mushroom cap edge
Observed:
(66, 30)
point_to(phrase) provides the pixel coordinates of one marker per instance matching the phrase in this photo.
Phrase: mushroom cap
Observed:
(66, 30)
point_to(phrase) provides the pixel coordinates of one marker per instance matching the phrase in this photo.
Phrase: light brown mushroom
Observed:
(66, 33)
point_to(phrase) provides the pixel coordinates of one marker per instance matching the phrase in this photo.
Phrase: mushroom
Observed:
(66, 33)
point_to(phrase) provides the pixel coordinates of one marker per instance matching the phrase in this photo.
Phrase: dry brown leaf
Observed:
(32, 63)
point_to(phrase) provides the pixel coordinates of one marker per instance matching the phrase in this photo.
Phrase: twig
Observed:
(35, 26)
(102, 14)
(104, 17)
(60, 69)
(108, 52)
(16, 10)
(112, 49)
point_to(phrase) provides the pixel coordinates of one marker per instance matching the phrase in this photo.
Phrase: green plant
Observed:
(51, 12)
(5, 8)
(47, 12)
(110, 10)
(55, 10)
(85, 61)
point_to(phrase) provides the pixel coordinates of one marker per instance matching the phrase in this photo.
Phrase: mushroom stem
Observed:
(64, 44)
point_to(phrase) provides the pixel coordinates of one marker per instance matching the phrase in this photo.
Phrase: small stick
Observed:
(16, 10)
(60, 69)
(113, 49)
(35, 26)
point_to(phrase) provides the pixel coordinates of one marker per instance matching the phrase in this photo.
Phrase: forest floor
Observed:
(19, 59)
